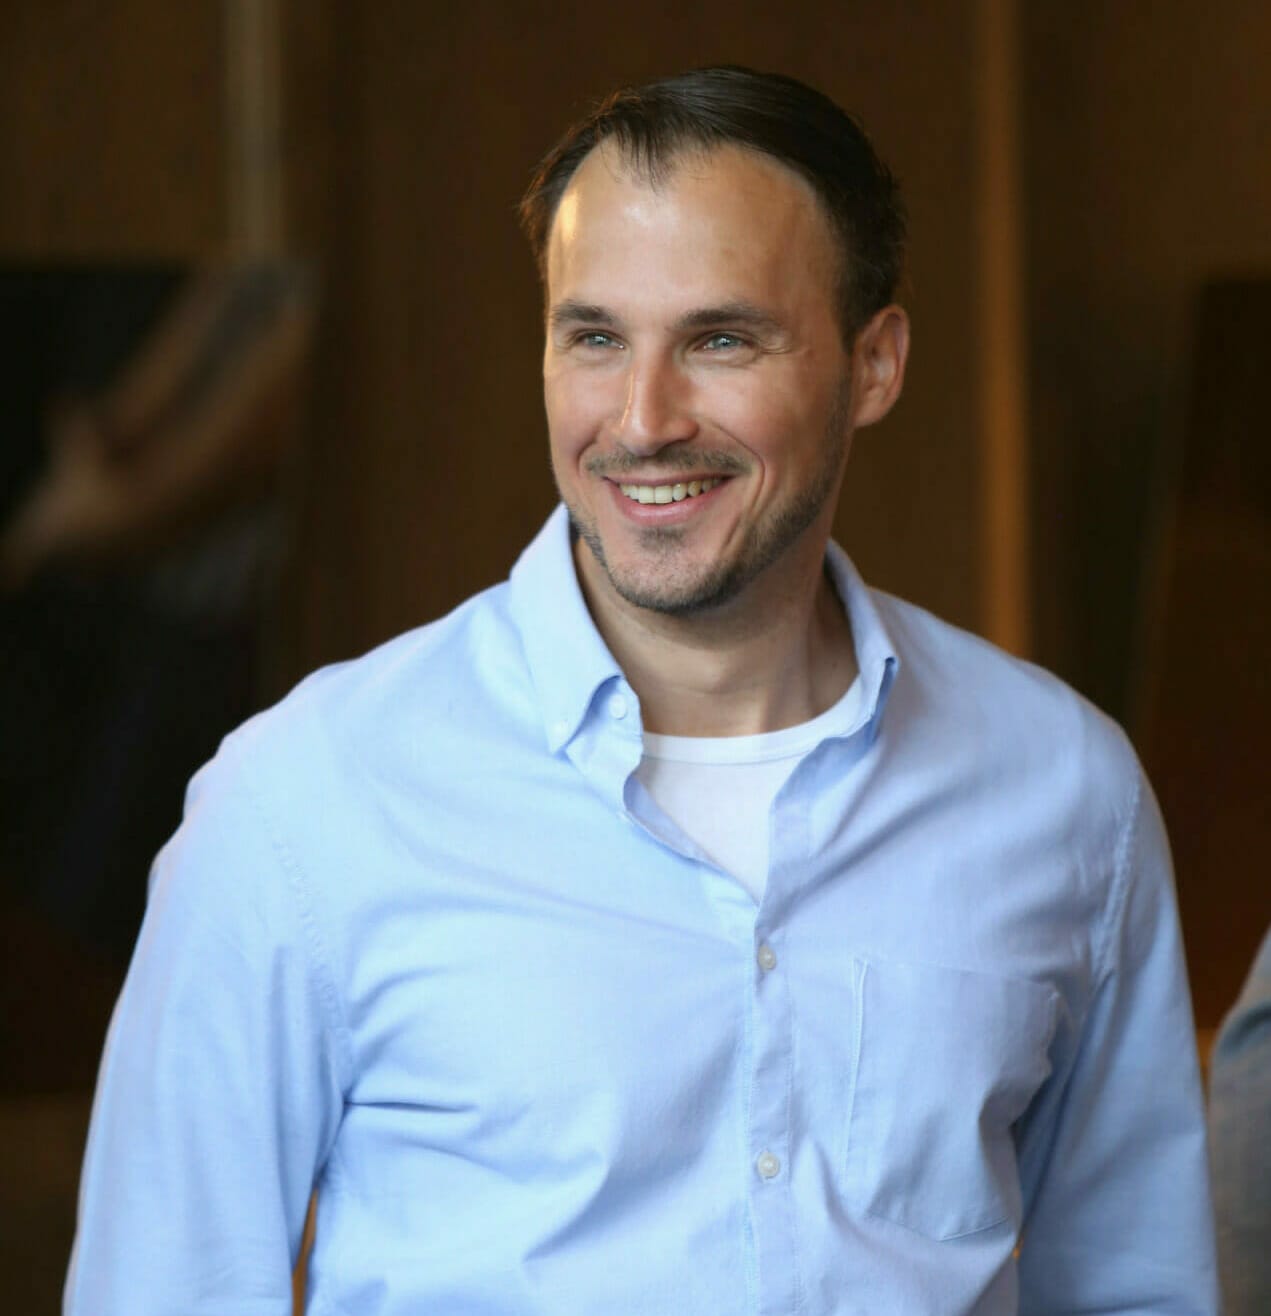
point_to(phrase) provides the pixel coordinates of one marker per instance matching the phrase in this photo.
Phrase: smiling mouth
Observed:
(667, 493)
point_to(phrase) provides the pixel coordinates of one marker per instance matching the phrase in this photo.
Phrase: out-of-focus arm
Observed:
(202, 419)
(1240, 1130)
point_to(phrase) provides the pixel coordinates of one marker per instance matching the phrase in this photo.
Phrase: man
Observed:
(681, 927)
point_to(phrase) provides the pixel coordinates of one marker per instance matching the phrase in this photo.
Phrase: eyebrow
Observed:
(729, 313)
(572, 312)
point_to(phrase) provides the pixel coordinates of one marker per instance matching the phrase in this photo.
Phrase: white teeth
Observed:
(666, 493)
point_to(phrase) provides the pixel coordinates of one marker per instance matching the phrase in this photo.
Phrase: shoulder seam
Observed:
(1118, 896)
(328, 993)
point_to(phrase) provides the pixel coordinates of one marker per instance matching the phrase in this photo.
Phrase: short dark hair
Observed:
(767, 112)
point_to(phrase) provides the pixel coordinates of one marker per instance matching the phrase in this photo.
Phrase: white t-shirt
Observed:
(720, 789)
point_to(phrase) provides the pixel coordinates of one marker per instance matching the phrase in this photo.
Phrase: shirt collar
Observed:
(569, 661)
(876, 656)
(567, 658)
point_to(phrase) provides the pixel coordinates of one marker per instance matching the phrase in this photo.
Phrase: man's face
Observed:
(698, 390)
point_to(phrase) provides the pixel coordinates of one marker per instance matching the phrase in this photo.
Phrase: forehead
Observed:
(728, 216)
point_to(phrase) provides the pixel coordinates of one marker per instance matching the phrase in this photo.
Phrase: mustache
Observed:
(701, 461)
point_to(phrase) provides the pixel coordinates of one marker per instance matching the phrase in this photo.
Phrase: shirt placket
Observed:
(771, 1135)
(607, 754)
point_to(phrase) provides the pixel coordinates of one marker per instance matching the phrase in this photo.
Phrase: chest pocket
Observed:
(947, 1062)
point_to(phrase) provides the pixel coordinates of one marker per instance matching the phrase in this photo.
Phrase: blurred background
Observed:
(270, 337)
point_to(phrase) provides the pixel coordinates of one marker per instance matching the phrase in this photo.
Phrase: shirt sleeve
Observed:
(220, 1087)
(1119, 1216)
(1240, 1128)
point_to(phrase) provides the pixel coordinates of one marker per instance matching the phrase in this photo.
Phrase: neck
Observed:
(777, 655)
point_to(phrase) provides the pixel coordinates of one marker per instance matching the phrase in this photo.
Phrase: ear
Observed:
(879, 355)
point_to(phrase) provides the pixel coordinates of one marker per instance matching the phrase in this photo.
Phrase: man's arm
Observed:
(1240, 1125)
(220, 1089)
(1113, 1161)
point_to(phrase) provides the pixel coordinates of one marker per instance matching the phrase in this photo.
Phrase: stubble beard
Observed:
(702, 591)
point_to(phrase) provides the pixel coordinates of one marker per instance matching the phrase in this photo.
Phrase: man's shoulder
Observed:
(303, 802)
(997, 704)
(400, 702)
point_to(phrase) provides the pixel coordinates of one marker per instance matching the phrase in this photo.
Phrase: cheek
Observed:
(561, 411)
(569, 431)
(766, 422)
(577, 409)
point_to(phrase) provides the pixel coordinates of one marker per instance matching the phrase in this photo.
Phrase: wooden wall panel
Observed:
(111, 123)
(1146, 173)
(1149, 176)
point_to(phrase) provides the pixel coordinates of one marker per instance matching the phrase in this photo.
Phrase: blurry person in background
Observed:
(681, 926)
(1240, 1134)
(150, 414)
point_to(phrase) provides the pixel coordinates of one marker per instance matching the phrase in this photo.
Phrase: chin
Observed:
(678, 595)
(651, 575)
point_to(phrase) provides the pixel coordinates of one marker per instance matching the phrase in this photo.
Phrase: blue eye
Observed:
(595, 338)
(722, 342)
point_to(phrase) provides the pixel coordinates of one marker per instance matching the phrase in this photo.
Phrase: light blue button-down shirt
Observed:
(422, 939)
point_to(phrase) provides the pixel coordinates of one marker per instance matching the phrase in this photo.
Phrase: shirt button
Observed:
(767, 957)
(617, 706)
(767, 1165)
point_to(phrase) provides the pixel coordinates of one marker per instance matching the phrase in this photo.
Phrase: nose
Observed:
(656, 408)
